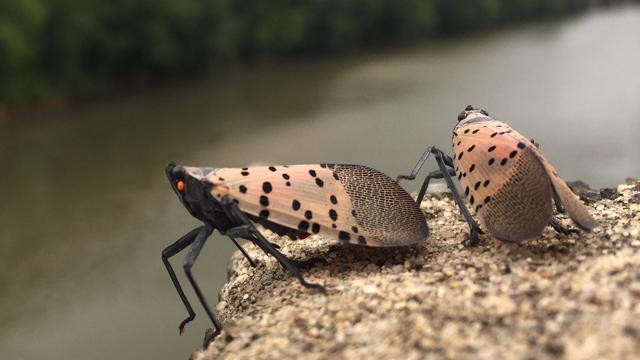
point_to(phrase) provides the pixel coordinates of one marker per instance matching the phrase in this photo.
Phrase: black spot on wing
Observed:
(266, 187)
(303, 226)
(264, 201)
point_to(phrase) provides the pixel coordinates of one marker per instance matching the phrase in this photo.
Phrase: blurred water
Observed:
(86, 210)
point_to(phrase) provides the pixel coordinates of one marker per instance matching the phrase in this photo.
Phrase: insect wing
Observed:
(576, 210)
(502, 179)
(352, 203)
(520, 178)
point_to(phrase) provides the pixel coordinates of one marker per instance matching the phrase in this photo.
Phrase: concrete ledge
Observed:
(575, 297)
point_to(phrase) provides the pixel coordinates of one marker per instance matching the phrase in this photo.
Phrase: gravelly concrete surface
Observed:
(574, 297)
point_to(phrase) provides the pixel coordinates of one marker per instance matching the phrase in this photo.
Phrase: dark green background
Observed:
(50, 48)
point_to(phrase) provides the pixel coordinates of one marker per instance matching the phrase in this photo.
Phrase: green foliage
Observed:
(58, 46)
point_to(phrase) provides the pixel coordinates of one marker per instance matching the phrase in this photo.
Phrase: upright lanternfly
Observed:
(350, 203)
(505, 178)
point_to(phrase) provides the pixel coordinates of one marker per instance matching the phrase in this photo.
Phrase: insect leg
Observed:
(253, 264)
(475, 229)
(447, 159)
(248, 230)
(555, 224)
(437, 174)
(244, 231)
(168, 252)
(189, 261)
(417, 167)
(284, 261)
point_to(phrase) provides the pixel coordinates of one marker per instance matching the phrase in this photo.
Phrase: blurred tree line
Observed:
(52, 47)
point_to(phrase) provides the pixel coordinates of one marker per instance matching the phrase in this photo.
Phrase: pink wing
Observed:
(509, 182)
(352, 203)
(502, 180)
(571, 202)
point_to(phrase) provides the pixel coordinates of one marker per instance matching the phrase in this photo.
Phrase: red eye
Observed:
(180, 185)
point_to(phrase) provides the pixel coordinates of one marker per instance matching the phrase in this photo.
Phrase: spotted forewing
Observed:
(352, 203)
(507, 181)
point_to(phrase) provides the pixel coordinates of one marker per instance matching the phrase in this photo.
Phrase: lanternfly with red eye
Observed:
(345, 203)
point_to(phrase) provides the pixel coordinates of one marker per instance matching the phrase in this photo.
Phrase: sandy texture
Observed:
(574, 297)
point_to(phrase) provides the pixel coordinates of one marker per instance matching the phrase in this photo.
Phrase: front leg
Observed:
(473, 226)
(432, 175)
(417, 167)
(189, 261)
(437, 174)
(170, 251)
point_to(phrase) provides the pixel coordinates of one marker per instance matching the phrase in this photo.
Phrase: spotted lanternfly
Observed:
(350, 203)
(505, 179)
